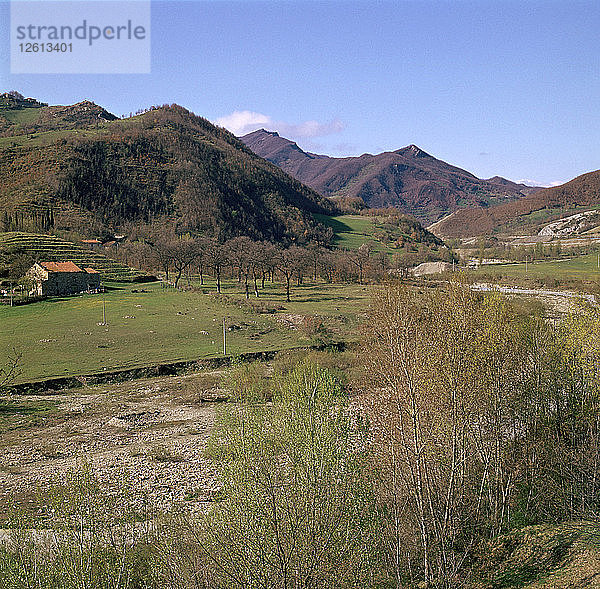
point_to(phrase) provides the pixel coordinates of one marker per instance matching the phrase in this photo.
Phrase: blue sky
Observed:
(507, 88)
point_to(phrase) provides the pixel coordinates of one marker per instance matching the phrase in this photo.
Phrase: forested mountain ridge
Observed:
(96, 172)
(409, 178)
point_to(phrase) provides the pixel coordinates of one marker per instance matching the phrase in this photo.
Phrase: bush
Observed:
(297, 503)
(89, 538)
(247, 381)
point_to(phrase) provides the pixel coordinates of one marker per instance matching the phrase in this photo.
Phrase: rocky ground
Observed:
(149, 435)
(556, 302)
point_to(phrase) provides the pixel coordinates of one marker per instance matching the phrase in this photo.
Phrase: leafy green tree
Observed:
(297, 502)
(484, 419)
(93, 539)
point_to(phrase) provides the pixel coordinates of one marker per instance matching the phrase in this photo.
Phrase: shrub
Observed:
(297, 506)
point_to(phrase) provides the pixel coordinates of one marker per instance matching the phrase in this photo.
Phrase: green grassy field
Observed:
(61, 337)
(580, 268)
(351, 231)
(42, 138)
(22, 116)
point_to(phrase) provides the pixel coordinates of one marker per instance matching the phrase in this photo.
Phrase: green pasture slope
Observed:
(61, 337)
(351, 231)
(47, 248)
(20, 116)
(43, 138)
(583, 267)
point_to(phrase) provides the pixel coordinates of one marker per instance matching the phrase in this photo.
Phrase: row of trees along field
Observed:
(462, 417)
(254, 262)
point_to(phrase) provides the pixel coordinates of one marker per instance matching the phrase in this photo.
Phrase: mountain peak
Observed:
(413, 150)
(82, 112)
(262, 131)
(410, 179)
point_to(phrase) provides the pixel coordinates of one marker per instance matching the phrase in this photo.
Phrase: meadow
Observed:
(584, 268)
(148, 324)
(351, 231)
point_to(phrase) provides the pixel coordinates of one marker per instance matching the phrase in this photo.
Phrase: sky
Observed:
(509, 88)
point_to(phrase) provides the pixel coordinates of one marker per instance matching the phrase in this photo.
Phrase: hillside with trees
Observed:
(91, 172)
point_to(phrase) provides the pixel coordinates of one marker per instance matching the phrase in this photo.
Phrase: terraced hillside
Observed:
(48, 248)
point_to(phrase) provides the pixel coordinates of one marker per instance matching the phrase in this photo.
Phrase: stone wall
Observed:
(56, 284)
(64, 283)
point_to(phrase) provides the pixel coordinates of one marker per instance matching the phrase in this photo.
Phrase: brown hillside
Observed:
(164, 164)
(549, 203)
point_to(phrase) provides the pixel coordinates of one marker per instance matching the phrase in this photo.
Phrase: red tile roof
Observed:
(60, 267)
(91, 271)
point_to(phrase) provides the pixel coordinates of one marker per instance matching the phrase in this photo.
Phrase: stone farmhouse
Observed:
(54, 279)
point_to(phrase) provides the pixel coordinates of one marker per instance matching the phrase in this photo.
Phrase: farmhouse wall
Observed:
(64, 283)
(53, 283)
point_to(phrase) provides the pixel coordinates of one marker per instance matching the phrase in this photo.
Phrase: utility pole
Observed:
(224, 337)
(525, 264)
(103, 306)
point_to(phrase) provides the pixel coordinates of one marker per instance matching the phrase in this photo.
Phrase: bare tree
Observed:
(183, 252)
(329, 263)
(240, 251)
(314, 255)
(202, 245)
(360, 258)
(217, 258)
(259, 256)
(288, 261)
(11, 369)
(161, 240)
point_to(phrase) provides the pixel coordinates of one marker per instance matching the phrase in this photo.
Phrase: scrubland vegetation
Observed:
(459, 424)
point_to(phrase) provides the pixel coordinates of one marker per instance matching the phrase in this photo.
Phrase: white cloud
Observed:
(241, 122)
(529, 182)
